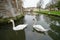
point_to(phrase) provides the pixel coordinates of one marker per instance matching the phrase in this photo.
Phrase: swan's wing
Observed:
(39, 27)
(21, 26)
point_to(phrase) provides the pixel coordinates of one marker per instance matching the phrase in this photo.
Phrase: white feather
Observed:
(19, 27)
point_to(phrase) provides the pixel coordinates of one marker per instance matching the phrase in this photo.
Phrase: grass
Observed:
(57, 13)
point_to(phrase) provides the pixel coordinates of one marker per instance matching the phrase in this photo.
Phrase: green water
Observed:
(47, 21)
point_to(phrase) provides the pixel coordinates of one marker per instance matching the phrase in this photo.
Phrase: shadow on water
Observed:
(7, 33)
(12, 35)
(54, 33)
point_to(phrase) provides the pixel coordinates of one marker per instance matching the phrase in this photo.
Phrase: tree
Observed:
(51, 5)
(39, 4)
(58, 5)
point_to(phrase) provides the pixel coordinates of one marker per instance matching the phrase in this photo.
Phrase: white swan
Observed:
(38, 27)
(19, 27)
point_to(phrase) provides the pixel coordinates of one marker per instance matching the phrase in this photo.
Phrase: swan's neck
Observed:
(13, 24)
(34, 21)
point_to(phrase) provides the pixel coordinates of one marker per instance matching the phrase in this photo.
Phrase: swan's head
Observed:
(11, 20)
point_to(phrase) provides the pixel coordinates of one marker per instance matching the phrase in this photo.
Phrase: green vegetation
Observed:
(58, 5)
(55, 32)
(57, 13)
(5, 20)
(53, 6)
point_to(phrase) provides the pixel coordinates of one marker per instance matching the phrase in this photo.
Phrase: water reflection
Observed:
(55, 28)
(6, 32)
(37, 17)
(32, 34)
(47, 21)
(12, 35)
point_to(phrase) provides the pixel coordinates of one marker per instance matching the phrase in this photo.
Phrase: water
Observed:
(47, 21)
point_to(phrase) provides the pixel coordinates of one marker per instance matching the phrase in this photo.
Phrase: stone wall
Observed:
(10, 8)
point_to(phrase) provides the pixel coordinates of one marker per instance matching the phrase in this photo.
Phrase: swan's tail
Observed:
(47, 29)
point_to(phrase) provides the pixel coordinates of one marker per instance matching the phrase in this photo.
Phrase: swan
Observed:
(19, 27)
(39, 27)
